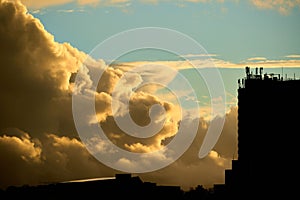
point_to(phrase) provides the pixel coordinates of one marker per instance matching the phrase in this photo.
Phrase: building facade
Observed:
(268, 128)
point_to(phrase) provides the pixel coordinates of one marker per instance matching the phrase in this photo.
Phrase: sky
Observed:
(234, 30)
(71, 71)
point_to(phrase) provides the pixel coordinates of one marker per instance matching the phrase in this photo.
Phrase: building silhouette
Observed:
(122, 186)
(268, 125)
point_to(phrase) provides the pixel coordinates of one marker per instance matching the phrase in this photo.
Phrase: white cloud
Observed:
(255, 62)
(199, 55)
(293, 56)
(68, 11)
(257, 58)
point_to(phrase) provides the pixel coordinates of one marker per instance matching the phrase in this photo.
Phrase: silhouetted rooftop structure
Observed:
(268, 125)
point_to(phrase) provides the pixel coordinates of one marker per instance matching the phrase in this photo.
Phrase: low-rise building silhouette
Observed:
(123, 186)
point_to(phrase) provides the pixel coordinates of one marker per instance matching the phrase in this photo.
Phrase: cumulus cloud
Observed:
(19, 157)
(35, 72)
(35, 101)
(209, 170)
(27, 160)
(31, 161)
(189, 175)
(38, 139)
(130, 138)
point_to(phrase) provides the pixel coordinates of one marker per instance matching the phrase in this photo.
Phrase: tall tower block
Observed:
(268, 128)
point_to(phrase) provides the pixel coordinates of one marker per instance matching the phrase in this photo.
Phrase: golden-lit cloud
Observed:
(19, 155)
(35, 72)
(41, 4)
(261, 61)
(72, 159)
(103, 106)
(27, 160)
(140, 104)
(207, 62)
(37, 4)
(188, 169)
(38, 139)
(283, 7)
(22, 145)
(88, 2)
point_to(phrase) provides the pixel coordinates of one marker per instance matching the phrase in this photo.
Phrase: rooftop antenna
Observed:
(248, 72)
(260, 72)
